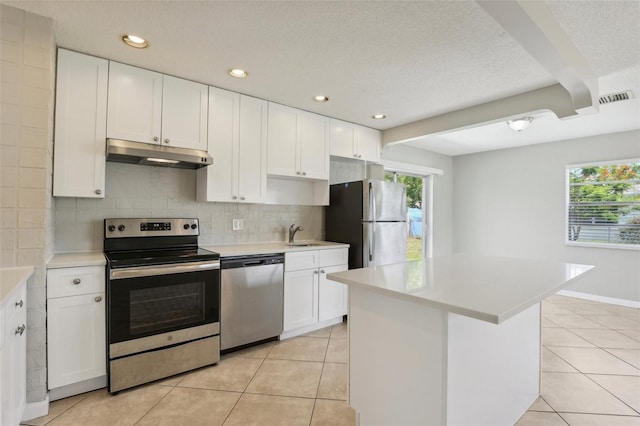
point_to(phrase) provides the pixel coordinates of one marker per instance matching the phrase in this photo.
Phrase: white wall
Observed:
(26, 213)
(512, 203)
(442, 190)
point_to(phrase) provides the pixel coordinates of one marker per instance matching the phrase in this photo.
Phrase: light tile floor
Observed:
(590, 365)
(590, 376)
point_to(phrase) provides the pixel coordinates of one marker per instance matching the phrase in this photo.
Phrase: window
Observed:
(604, 204)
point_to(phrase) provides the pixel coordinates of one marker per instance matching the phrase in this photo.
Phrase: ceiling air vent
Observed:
(615, 97)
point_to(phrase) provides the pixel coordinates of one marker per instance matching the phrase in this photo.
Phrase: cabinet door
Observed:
(367, 142)
(332, 296)
(300, 298)
(313, 145)
(341, 139)
(252, 152)
(135, 104)
(13, 362)
(281, 141)
(184, 113)
(218, 181)
(80, 130)
(76, 336)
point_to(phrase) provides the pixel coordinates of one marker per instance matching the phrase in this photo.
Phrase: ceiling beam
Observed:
(552, 98)
(533, 26)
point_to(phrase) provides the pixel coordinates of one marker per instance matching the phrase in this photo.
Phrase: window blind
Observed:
(604, 203)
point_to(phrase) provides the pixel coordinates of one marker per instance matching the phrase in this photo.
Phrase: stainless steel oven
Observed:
(163, 299)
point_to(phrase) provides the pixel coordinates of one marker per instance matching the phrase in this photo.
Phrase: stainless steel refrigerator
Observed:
(371, 216)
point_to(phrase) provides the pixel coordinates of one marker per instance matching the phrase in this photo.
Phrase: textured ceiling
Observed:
(408, 60)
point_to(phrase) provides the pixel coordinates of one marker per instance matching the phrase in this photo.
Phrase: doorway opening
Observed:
(419, 193)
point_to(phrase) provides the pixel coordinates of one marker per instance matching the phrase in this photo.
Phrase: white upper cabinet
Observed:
(298, 143)
(135, 104)
(149, 107)
(80, 129)
(184, 113)
(352, 141)
(238, 145)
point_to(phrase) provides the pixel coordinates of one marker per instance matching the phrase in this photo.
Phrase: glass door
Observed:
(418, 233)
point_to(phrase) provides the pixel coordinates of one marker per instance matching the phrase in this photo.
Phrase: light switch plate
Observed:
(237, 224)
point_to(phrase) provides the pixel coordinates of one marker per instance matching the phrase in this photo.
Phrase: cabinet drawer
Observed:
(307, 259)
(332, 257)
(75, 281)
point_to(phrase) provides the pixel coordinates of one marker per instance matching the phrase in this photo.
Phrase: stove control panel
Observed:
(127, 227)
(156, 226)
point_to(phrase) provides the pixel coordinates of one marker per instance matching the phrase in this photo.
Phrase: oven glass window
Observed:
(145, 306)
(159, 308)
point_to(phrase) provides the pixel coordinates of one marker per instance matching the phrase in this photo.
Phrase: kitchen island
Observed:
(449, 340)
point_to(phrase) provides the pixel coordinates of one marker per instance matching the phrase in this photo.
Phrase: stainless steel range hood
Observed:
(156, 155)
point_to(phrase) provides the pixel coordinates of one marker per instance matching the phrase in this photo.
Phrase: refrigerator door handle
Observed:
(372, 234)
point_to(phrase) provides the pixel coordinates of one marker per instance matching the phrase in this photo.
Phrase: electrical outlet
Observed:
(237, 225)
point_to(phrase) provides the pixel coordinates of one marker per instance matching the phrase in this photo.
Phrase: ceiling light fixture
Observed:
(135, 41)
(519, 124)
(238, 73)
(321, 99)
(378, 116)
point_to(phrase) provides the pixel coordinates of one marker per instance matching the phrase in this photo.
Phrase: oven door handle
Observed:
(150, 271)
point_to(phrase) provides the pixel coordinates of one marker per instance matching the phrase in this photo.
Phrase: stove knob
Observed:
(120, 228)
(185, 226)
(194, 226)
(112, 228)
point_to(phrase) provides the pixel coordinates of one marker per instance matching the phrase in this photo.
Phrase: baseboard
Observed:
(310, 328)
(78, 388)
(36, 409)
(596, 298)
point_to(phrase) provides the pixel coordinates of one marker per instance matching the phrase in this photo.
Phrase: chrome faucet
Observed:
(292, 231)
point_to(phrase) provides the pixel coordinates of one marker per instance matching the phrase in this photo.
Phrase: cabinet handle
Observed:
(241, 198)
(156, 139)
(234, 197)
(322, 271)
(98, 191)
(19, 304)
(315, 272)
(359, 155)
(98, 299)
(304, 173)
(297, 173)
(355, 155)
(166, 141)
(21, 329)
(76, 281)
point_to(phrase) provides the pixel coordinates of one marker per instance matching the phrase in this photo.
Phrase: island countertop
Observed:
(487, 288)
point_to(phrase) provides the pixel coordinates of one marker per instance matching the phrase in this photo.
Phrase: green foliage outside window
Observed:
(604, 203)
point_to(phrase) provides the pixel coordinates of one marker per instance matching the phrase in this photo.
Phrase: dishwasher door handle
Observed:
(254, 263)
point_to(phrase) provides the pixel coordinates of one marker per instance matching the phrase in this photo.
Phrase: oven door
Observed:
(151, 300)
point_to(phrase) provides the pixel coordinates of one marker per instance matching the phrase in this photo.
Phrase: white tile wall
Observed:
(26, 214)
(146, 191)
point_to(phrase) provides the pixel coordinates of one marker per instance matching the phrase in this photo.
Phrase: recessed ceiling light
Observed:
(135, 41)
(321, 99)
(519, 124)
(378, 116)
(238, 73)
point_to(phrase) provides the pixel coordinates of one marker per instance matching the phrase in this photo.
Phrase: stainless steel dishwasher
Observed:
(252, 298)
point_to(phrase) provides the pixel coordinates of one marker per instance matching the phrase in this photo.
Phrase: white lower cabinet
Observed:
(76, 326)
(13, 357)
(310, 299)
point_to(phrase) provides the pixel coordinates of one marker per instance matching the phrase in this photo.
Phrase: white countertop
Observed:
(75, 259)
(491, 289)
(10, 278)
(265, 248)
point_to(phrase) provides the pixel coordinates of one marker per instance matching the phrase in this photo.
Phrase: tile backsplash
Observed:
(146, 191)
